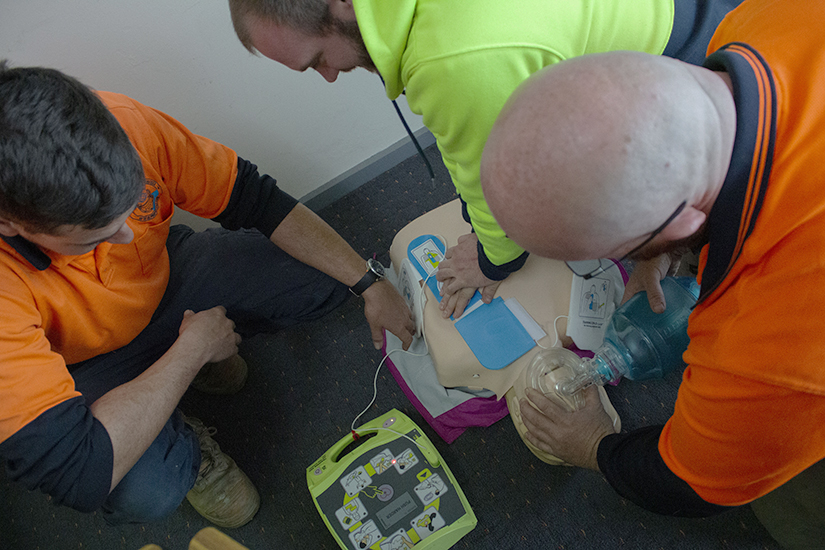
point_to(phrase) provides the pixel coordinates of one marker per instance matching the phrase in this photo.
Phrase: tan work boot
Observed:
(222, 493)
(222, 378)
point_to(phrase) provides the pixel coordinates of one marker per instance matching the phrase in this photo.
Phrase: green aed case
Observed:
(389, 490)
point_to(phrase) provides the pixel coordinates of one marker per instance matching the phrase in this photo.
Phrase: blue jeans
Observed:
(263, 290)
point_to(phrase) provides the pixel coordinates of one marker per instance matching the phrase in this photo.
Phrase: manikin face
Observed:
(339, 51)
(73, 240)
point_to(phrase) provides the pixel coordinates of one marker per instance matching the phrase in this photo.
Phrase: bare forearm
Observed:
(134, 413)
(309, 239)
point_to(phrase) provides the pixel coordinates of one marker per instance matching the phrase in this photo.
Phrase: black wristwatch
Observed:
(375, 272)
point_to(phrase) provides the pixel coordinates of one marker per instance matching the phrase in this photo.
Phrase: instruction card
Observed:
(592, 303)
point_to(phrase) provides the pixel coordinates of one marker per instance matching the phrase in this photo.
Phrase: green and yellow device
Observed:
(389, 489)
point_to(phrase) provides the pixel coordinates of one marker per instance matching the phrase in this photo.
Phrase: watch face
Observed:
(376, 267)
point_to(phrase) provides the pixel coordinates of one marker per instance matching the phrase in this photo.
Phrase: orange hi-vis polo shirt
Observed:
(68, 309)
(750, 414)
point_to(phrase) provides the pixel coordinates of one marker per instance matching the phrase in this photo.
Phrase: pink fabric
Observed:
(478, 411)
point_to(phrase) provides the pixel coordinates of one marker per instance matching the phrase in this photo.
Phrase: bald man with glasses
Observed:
(627, 154)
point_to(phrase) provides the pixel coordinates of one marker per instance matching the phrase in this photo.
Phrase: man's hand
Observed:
(460, 264)
(454, 304)
(572, 436)
(460, 276)
(210, 333)
(647, 275)
(385, 308)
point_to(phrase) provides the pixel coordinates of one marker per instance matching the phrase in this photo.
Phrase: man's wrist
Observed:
(375, 272)
(188, 353)
(378, 287)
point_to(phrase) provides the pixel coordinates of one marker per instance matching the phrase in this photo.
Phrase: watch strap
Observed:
(366, 281)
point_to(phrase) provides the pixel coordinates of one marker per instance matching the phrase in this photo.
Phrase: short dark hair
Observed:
(64, 159)
(310, 16)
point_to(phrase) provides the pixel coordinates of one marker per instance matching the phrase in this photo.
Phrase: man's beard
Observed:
(350, 30)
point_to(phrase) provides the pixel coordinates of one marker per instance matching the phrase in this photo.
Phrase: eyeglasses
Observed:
(587, 269)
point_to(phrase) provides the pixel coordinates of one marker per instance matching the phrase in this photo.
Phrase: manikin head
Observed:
(591, 155)
(303, 34)
(69, 176)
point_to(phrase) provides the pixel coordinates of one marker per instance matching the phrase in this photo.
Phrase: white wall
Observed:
(182, 57)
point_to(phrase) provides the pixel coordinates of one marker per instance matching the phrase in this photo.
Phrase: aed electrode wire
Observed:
(555, 330)
(422, 303)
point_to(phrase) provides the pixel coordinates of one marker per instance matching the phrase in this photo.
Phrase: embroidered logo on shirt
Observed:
(147, 207)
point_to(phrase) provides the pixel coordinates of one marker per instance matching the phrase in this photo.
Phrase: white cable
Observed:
(405, 436)
(426, 352)
(555, 330)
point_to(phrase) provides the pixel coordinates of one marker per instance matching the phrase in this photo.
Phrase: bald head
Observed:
(592, 154)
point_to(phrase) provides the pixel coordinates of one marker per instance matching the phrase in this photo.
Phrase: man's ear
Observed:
(685, 225)
(342, 9)
(8, 228)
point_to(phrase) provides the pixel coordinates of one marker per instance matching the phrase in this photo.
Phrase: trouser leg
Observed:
(159, 481)
(794, 514)
(263, 288)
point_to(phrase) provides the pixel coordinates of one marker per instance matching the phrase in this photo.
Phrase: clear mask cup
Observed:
(551, 366)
